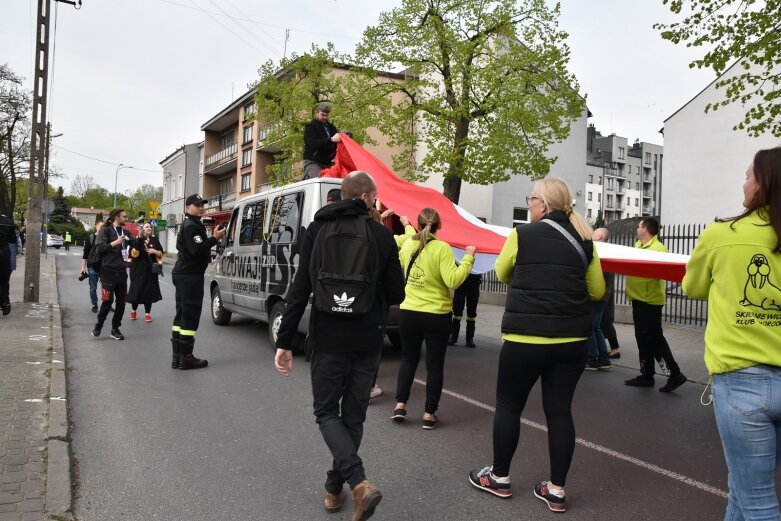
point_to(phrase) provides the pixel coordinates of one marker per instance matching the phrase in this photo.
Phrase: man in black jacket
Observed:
(320, 139)
(112, 244)
(194, 255)
(346, 349)
(92, 271)
(7, 237)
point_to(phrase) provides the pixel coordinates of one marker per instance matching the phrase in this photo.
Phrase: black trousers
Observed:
(467, 293)
(189, 302)
(608, 315)
(117, 281)
(5, 277)
(340, 390)
(651, 343)
(414, 328)
(559, 367)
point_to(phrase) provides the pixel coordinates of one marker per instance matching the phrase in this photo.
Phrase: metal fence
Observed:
(680, 309)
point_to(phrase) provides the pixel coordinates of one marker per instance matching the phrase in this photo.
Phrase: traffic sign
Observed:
(153, 222)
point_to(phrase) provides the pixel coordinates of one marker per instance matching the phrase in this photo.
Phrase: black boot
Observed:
(455, 327)
(175, 349)
(470, 333)
(186, 358)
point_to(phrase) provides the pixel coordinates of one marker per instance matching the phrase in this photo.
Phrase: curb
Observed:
(59, 496)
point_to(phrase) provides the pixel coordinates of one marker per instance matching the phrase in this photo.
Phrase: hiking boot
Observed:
(485, 480)
(147, 318)
(455, 327)
(95, 308)
(470, 333)
(640, 381)
(96, 330)
(673, 383)
(186, 358)
(366, 497)
(333, 502)
(116, 334)
(176, 352)
(554, 502)
(133, 315)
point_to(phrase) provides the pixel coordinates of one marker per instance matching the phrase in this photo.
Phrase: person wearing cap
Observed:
(320, 139)
(194, 255)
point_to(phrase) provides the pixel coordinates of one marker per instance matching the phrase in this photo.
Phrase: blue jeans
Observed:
(93, 285)
(747, 404)
(597, 348)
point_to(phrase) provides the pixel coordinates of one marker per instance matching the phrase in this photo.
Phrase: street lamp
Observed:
(116, 175)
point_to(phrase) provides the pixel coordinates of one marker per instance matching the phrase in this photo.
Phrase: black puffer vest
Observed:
(547, 294)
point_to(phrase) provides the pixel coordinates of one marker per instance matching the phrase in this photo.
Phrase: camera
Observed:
(83, 276)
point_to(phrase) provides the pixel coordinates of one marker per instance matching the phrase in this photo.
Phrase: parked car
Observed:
(258, 257)
(54, 240)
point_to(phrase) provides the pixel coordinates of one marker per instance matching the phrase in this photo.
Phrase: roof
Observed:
(698, 94)
(88, 210)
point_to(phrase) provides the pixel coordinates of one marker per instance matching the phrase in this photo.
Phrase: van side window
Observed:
(246, 224)
(259, 224)
(286, 218)
(231, 235)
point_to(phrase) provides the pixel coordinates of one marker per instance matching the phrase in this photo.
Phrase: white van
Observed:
(259, 255)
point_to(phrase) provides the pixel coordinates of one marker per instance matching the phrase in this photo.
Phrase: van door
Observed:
(225, 266)
(246, 280)
(285, 234)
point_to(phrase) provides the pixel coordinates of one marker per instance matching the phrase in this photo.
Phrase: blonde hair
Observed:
(556, 194)
(428, 222)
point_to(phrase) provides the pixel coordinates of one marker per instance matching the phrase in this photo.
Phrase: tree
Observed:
(748, 31)
(15, 106)
(81, 185)
(61, 214)
(138, 201)
(487, 86)
(287, 93)
(600, 220)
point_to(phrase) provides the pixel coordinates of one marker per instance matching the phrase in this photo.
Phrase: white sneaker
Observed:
(375, 392)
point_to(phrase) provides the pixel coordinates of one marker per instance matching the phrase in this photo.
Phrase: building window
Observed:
(246, 182)
(600, 180)
(610, 183)
(249, 110)
(609, 201)
(180, 186)
(599, 198)
(637, 185)
(227, 186)
(246, 157)
(637, 201)
(591, 179)
(226, 139)
(520, 215)
(246, 135)
(638, 170)
(588, 213)
(621, 152)
(589, 196)
(647, 158)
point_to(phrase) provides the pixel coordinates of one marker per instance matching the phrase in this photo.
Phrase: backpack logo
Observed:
(344, 303)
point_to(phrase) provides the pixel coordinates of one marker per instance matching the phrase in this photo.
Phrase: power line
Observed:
(104, 161)
(229, 29)
(243, 28)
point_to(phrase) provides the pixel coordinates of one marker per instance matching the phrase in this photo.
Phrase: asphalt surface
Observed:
(238, 441)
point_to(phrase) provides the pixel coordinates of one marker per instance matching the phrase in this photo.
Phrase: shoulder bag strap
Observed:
(412, 261)
(556, 226)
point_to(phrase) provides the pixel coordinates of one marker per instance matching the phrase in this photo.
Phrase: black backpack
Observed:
(343, 267)
(93, 259)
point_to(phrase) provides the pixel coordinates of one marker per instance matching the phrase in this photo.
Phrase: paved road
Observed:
(237, 441)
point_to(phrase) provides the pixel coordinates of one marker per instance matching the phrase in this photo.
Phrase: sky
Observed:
(131, 81)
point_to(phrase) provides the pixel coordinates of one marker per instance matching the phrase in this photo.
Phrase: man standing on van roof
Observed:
(346, 348)
(194, 248)
(320, 139)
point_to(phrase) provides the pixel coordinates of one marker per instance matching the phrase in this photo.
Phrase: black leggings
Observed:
(147, 307)
(559, 366)
(414, 328)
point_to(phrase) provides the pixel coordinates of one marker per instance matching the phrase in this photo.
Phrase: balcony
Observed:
(220, 202)
(648, 194)
(222, 161)
(266, 145)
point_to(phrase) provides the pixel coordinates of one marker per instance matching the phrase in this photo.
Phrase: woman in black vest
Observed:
(553, 273)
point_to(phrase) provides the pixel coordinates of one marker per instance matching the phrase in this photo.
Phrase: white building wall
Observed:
(705, 160)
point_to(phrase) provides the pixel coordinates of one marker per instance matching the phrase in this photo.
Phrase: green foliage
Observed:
(600, 220)
(745, 30)
(287, 93)
(61, 214)
(486, 84)
(15, 107)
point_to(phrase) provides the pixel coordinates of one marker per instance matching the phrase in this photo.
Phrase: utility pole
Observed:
(37, 182)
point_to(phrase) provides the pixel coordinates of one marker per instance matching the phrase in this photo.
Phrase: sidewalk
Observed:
(686, 343)
(35, 481)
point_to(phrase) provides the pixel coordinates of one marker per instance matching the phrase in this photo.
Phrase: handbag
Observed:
(157, 269)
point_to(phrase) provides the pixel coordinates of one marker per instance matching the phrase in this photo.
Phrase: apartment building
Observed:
(181, 169)
(622, 180)
(87, 216)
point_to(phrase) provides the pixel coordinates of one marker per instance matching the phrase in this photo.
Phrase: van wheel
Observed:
(394, 338)
(274, 321)
(220, 315)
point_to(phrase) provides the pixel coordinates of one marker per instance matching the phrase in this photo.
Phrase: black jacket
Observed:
(547, 295)
(329, 333)
(7, 233)
(317, 142)
(193, 247)
(111, 256)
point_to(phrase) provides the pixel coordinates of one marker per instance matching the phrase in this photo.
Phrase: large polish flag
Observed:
(461, 229)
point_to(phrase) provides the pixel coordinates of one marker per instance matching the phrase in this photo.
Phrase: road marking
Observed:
(599, 448)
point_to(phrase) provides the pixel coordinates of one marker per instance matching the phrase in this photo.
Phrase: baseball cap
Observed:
(194, 199)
